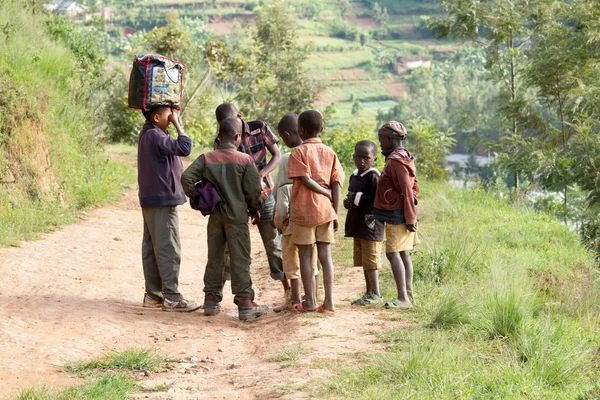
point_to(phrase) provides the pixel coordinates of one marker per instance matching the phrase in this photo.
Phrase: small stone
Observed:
(168, 339)
(194, 359)
(220, 350)
(233, 366)
(147, 373)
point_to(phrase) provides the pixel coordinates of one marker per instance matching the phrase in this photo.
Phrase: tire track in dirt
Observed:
(77, 293)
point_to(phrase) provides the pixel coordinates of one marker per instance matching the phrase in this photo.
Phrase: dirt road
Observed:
(76, 293)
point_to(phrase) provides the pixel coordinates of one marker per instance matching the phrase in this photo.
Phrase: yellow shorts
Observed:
(304, 235)
(399, 238)
(291, 261)
(367, 254)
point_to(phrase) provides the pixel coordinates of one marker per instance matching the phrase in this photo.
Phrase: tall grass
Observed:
(51, 164)
(512, 298)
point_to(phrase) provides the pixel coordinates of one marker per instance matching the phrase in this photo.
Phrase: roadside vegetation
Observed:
(51, 162)
(507, 307)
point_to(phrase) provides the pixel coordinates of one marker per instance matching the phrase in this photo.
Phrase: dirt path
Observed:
(77, 293)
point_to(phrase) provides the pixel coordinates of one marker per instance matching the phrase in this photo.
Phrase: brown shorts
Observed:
(304, 235)
(291, 261)
(399, 238)
(367, 254)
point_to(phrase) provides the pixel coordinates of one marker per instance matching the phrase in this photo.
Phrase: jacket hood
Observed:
(403, 156)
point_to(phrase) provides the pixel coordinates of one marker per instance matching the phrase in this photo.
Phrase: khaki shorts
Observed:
(304, 235)
(399, 238)
(367, 254)
(291, 260)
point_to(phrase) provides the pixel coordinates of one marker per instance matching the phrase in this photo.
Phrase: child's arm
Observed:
(365, 200)
(315, 187)
(180, 147)
(251, 188)
(336, 193)
(192, 175)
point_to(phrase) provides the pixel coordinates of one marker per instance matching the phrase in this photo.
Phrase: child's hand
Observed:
(347, 204)
(173, 118)
(411, 227)
(256, 219)
(336, 225)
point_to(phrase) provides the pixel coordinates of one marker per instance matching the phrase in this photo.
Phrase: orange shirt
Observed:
(321, 164)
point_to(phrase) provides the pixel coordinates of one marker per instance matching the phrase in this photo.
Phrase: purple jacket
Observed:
(159, 167)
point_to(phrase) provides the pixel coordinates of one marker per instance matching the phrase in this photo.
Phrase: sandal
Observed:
(299, 307)
(395, 303)
(286, 307)
(362, 301)
(323, 310)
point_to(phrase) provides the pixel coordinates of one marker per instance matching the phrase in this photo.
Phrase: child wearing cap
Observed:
(395, 204)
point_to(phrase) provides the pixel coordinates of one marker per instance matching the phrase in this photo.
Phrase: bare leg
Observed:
(372, 277)
(316, 288)
(324, 251)
(305, 253)
(296, 285)
(408, 273)
(368, 282)
(399, 275)
(286, 285)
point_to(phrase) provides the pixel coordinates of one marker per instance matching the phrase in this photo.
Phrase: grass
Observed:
(131, 359)
(102, 387)
(507, 308)
(288, 354)
(51, 164)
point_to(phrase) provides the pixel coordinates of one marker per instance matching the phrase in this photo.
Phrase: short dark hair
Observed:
(311, 121)
(288, 123)
(226, 110)
(228, 128)
(154, 110)
(371, 146)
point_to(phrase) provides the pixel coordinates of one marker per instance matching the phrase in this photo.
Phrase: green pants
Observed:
(237, 237)
(161, 252)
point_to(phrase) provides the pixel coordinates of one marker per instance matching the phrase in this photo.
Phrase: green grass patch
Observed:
(102, 387)
(131, 359)
(288, 354)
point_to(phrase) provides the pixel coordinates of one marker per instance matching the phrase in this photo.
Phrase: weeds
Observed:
(102, 387)
(451, 311)
(288, 354)
(131, 359)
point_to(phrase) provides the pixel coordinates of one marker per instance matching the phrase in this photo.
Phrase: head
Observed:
(365, 155)
(391, 135)
(226, 110)
(288, 130)
(230, 131)
(159, 116)
(310, 124)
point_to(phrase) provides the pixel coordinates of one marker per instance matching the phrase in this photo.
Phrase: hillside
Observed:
(353, 48)
(51, 162)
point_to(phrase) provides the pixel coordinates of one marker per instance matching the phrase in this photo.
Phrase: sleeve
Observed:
(192, 175)
(269, 137)
(297, 166)
(282, 207)
(402, 179)
(251, 187)
(337, 173)
(366, 200)
(282, 173)
(182, 146)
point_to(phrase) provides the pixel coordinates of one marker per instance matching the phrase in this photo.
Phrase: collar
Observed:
(226, 146)
(245, 128)
(388, 152)
(313, 140)
(366, 172)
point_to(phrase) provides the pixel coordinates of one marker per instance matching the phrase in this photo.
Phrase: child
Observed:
(288, 131)
(258, 141)
(360, 222)
(318, 178)
(160, 192)
(395, 204)
(236, 179)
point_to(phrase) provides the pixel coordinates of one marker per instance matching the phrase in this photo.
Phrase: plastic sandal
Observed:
(299, 307)
(395, 303)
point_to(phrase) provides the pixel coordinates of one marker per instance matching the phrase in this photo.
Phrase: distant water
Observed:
(462, 159)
